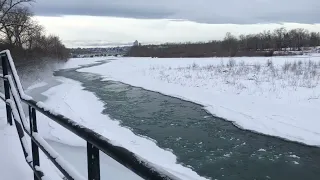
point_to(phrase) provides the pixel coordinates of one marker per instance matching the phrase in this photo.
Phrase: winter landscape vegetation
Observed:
(244, 106)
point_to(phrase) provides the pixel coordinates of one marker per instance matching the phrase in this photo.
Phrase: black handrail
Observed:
(36, 140)
(95, 141)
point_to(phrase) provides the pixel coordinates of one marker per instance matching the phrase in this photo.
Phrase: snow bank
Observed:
(36, 85)
(71, 100)
(265, 104)
(77, 62)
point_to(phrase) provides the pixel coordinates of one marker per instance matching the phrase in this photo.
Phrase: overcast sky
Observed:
(101, 21)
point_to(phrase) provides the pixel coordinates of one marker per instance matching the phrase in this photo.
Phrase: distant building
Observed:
(136, 43)
(94, 52)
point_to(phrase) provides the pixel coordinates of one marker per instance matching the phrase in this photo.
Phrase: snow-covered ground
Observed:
(277, 96)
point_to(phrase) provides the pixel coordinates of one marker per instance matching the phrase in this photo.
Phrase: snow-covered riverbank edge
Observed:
(285, 105)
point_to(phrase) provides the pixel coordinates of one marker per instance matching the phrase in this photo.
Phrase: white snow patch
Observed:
(294, 156)
(78, 62)
(36, 85)
(228, 154)
(253, 95)
(295, 162)
(262, 150)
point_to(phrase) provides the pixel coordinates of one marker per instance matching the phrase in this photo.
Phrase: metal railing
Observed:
(14, 96)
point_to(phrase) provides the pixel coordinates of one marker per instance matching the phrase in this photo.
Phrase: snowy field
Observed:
(276, 96)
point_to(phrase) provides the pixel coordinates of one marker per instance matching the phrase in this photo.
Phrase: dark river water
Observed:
(212, 147)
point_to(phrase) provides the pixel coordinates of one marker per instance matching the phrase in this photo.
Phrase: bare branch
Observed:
(10, 5)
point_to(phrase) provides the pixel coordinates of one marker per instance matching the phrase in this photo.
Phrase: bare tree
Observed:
(7, 5)
(15, 24)
(314, 39)
(279, 38)
(32, 35)
(261, 44)
(24, 36)
(230, 43)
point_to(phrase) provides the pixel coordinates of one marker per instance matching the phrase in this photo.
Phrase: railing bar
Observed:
(38, 173)
(93, 162)
(120, 154)
(17, 100)
(27, 157)
(46, 152)
(14, 73)
(21, 135)
(30, 131)
(20, 115)
(6, 89)
(34, 147)
(52, 159)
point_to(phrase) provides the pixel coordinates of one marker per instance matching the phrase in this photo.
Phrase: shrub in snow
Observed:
(231, 63)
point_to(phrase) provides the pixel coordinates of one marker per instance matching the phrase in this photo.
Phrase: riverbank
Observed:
(256, 94)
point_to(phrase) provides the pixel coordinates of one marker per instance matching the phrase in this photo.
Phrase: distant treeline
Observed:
(24, 36)
(261, 44)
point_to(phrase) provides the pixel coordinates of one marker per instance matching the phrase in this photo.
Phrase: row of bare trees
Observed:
(23, 35)
(280, 39)
(260, 44)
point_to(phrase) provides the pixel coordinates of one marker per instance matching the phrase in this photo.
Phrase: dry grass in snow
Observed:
(239, 76)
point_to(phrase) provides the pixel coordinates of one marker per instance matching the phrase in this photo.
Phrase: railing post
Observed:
(6, 87)
(34, 147)
(93, 162)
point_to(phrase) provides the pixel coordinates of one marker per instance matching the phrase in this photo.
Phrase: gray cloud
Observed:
(204, 11)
